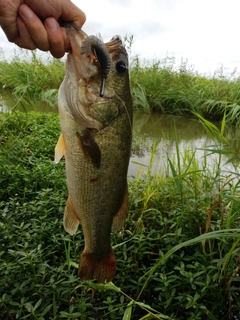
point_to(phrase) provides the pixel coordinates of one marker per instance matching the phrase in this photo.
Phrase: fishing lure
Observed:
(93, 44)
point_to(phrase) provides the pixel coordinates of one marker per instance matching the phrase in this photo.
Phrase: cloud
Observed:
(203, 32)
(122, 3)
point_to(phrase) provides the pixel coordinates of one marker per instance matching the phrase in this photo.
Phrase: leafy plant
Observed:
(177, 253)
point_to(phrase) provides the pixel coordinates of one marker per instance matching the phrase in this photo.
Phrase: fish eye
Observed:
(121, 67)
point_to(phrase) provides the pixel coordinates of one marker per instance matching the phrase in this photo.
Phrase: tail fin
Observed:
(92, 267)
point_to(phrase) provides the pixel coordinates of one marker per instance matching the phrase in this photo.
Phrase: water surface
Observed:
(154, 129)
(165, 131)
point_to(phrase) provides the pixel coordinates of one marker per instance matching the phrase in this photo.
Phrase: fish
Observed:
(95, 111)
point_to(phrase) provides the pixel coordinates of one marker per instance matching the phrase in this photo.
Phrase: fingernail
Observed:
(51, 24)
(25, 11)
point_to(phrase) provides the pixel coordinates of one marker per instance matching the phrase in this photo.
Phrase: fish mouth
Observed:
(95, 49)
(89, 64)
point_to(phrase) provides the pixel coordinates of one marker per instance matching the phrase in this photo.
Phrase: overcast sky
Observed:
(206, 33)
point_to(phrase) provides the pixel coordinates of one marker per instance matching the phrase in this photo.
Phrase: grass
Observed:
(177, 255)
(30, 78)
(160, 86)
(156, 86)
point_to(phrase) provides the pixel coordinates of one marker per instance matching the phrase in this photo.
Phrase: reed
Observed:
(29, 77)
(182, 90)
(156, 86)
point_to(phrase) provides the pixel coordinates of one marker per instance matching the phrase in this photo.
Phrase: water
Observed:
(8, 103)
(191, 135)
(155, 128)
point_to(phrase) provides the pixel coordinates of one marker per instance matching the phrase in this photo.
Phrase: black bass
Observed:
(95, 109)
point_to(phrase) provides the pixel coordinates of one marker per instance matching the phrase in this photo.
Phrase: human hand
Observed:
(35, 24)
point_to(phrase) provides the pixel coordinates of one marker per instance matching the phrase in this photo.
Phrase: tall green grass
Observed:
(31, 78)
(156, 86)
(161, 86)
(177, 255)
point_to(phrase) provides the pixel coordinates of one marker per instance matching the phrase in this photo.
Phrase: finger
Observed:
(73, 13)
(11, 31)
(8, 20)
(35, 27)
(24, 40)
(55, 37)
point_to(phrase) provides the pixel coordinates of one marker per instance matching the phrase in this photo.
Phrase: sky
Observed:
(203, 33)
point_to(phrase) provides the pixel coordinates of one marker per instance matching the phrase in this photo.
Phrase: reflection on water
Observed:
(8, 103)
(150, 128)
(191, 136)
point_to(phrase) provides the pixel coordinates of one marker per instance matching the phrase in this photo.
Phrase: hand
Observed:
(35, 24)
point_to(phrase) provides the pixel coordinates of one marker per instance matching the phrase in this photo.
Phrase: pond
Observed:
(160, 132)
(192, 138)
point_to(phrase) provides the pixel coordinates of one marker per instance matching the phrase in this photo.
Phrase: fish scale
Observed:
(96, 134)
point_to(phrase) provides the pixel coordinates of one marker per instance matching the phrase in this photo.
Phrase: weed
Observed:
(177, 255)
(29, 78)
(156, 86)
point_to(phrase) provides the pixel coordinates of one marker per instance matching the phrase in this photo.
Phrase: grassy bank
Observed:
(158, 86)
(162, 87)
(177, 256)
(29, 78)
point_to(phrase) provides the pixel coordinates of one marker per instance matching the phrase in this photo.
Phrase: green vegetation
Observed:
(177, 256)
(30, 79)
(158, 86)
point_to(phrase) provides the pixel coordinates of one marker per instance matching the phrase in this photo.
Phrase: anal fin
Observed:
(92, 267)
(121, 215)
(60, 148)
(70, 219)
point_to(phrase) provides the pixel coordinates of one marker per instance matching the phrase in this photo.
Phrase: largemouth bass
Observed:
(95, 109)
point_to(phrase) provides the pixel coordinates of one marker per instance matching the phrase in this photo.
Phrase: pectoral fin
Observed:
(70, 219)
(60, 148)
(120, 217)
(89, 147)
